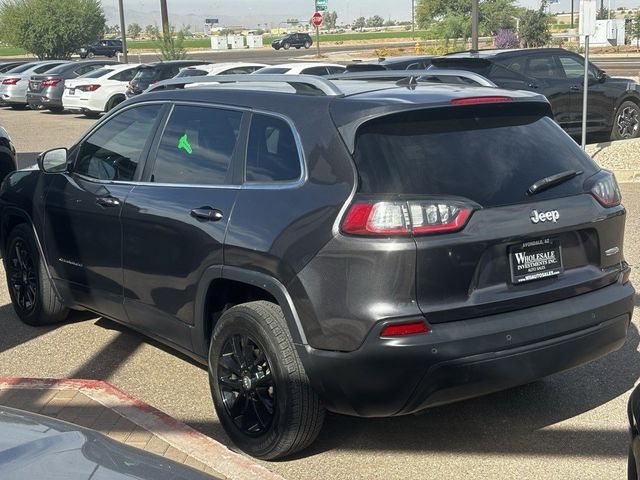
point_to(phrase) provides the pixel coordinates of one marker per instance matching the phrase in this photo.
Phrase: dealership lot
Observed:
(571, 425)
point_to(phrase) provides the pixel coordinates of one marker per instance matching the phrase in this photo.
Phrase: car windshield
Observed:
(100, 72)
(272, 70)
(488, 154)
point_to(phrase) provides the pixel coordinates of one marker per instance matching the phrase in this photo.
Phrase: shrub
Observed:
(506, 39)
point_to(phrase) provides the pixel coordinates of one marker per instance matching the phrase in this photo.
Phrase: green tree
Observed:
(497, 15)
(134, 30)
(390, 23)
(603, 14)
(494, 15)
(50, 28)
(375, 22)
(635, 29)
(452, 27)
(330, 19)
(534, 27)
(171, 46)
(151, 30)
(359, 23)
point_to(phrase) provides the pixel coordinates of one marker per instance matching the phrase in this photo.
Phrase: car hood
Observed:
(34, 446)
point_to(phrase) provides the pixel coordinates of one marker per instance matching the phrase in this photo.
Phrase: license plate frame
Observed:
(535, 260)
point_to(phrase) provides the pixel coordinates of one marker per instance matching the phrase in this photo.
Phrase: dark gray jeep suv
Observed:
(363, 248)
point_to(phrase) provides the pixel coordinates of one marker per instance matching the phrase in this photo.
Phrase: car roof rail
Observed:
(303, 84)
(441, 74)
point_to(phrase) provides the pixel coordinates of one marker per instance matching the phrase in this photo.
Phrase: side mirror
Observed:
(602, 76)
(53, 161)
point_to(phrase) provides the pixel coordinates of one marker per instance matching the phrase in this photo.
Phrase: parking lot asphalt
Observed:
(571, 425)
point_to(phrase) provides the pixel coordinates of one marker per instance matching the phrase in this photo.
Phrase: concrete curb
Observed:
(182, 437)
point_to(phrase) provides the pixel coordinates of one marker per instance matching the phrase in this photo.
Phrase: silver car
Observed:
(13, 89)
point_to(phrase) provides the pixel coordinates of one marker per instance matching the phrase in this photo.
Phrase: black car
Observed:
(45, 90)
(358, 247)
(296, 40)
(614, 103)
(156, 72)
(7, 155)
(107, 48)
(418, 62)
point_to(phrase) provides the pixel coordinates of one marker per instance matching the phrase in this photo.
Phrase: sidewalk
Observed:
(102, 407)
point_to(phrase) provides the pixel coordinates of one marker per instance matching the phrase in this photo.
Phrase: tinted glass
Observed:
(334, 70)
(191, 72)
(543, 67)
(86, 69)
(489, 154)
(272, 154)
(197, 146)
(60, 69)
(97, 73)
(113, 151)
(22, 68)
(45, 68)
(573, 67)
(315, 71)
(272, 70)
(147, 74)
(125, 75)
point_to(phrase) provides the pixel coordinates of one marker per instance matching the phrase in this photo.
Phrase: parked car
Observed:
(6, 66)
(296, 40)
(226, 68)
(417, 62)
(302, 68)
(99, 91)
(156, 72)
(13, 89)
(366, 248)
(7, 155)
(45, 90)
(35, 446)
(614, 103)
(107, 48)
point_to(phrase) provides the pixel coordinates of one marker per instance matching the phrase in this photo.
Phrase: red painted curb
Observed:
(197, 445)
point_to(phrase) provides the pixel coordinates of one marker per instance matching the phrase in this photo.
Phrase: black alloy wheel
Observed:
(246, 384)
(627, 121)
(23, 276)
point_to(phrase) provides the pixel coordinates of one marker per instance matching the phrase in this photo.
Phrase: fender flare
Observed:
(266, 282)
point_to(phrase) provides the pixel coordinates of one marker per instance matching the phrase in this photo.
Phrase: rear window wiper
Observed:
(552, 181)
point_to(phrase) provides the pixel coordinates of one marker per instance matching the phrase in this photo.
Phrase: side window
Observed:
(125, 76)
(197, 146)
(315, 71)
(335, 70)
(272, 154)
(573, 67)
(543, 67)
(499, 72)
(113, 151)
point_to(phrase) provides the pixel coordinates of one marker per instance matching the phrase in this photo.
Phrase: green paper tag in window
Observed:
(184, 144)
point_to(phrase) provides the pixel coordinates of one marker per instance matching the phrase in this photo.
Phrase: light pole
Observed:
(413, 19)
(165, 18)
(124, 32)
(474, 24)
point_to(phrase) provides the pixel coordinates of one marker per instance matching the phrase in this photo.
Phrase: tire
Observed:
(258, 330)
(286, 46)
(18, 106)
(114, 101)
(277, 48)
(90, 55)
(626, 122)
(32, 295)
(91, 114)
(307, 45)
(83, 55)
(298, 47)
(56, 109)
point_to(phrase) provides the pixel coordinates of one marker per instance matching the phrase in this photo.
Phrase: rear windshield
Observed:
(97, 73)
(488, 154)
(273, 70)
(191, 72)
(60, 68)
(22, 68)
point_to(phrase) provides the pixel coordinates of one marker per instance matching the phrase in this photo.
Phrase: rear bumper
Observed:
(468, 358)
(38, 99)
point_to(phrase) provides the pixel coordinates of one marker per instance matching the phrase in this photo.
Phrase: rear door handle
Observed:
(108, 201)
(207, 213)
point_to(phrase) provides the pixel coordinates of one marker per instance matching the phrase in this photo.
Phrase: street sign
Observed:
(588, 11)
(317, 19)
(322, 5)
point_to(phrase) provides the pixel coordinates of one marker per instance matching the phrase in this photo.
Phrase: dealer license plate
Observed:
(535, 259)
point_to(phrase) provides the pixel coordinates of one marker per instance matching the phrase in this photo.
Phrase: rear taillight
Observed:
(10, 81)
(88, 88)
(403, 329)
(417, 217)
(477, 100)
(606, 191)
(52, 82)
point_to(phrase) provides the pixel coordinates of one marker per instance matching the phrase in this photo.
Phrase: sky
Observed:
(253, 12)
